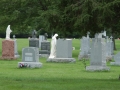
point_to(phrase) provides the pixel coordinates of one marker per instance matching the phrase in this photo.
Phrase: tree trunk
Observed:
(113, 39)
(114, 44)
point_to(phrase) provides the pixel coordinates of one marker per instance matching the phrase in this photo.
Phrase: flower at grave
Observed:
(22, 65)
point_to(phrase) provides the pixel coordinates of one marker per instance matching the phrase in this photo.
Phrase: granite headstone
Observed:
(41, 39)
(85, 48)
(97, 58)
(15, 47)
(30, 58)
(63, 51)
(34, 42)
(117, 59)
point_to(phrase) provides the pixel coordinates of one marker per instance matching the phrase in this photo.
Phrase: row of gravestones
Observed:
(42, 44)
(37, 48)
(99, 51)
(30, 55)
(63, 51)
(63, 55)
(98, 56)
(86, 48)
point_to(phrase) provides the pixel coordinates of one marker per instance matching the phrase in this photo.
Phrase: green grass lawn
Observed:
(56, 76)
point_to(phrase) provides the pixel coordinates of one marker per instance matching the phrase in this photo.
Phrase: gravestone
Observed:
(64, 48)
(85, 48)
(8, 46)
(97, 58)
(8, 49)
(88, 34)
(112, 46)
(117, 59)
(45, 49)
(44, 46)
(109, 49)
(63, 51)
(100, 35)
(15, 48)
(34, 42)
(103, 33)
(41, 39)
(96, 35)
(30, 58)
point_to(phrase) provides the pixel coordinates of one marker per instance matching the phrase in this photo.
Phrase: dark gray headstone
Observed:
(45, 47)
(33, 42)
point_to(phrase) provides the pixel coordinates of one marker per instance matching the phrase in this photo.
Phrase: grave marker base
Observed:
(115, 63)
(29, 64)
(44, 55)
(87, 57)
(17, 56)
(97, 68)
(61, 60)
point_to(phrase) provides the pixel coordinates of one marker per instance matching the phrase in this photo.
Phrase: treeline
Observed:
(68, 18)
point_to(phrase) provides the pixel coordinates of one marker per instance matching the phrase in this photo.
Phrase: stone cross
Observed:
(111, 39)
(88, 34)
(13, 36)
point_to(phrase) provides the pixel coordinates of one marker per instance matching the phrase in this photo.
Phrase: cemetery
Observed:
(54, 74)
(59, 45)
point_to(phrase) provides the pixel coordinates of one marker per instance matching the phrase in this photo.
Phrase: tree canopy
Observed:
(65, 17)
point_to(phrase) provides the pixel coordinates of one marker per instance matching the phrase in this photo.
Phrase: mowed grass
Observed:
(56, 76)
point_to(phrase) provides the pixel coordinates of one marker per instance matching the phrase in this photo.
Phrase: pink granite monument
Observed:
(8, 46)
(8, 49)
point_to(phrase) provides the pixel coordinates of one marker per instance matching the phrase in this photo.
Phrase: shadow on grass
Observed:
(64, 83)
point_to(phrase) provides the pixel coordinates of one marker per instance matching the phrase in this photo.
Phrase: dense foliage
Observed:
(65, 17)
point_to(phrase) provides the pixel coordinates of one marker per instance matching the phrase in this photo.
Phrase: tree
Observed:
(110, 16)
